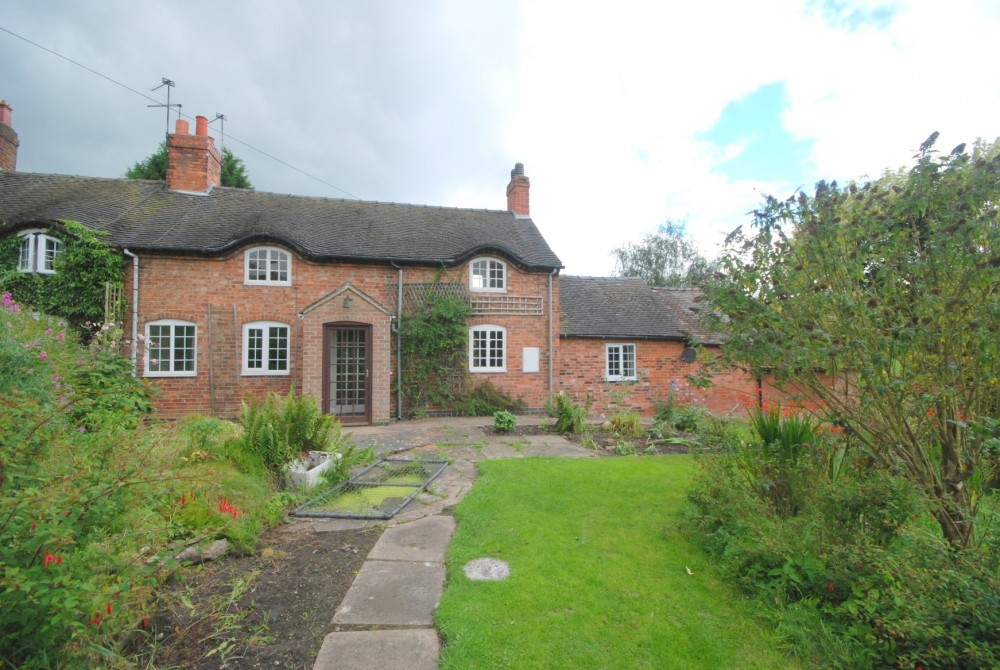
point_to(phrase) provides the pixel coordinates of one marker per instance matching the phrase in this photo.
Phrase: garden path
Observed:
(386, 618)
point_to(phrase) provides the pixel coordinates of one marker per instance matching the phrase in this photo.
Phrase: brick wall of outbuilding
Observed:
(659, 370)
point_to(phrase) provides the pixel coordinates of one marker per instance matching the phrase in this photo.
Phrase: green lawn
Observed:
(599, 574)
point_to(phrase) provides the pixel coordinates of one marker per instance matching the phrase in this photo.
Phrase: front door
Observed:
(346, 382)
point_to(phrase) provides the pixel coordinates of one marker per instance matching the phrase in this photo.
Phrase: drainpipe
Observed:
(135, 311)
(399, 343)
(551, 353)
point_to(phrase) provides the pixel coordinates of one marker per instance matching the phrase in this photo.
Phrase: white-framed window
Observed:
(172, 348)
(38, 253)
(487, 274)
(620, 362)
(488, 349)
(267, 266)
(265, 348)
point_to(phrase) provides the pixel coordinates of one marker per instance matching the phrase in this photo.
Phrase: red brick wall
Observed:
(8, 139)
(659, 369)
(193, 161)
(211, 293)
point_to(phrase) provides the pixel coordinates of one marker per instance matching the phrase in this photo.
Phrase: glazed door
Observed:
(346, 381)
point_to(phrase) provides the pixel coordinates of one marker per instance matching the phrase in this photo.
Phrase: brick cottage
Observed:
(240, 292)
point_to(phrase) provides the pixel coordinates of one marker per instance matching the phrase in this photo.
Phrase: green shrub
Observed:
(687, 418)
(624, 448)
(74, 472)
(281, 429)
(570, 417)
(504, 421)
(485, 399)
(857, 577)
(627, 424)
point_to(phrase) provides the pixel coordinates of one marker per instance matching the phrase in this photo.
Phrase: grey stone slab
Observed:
(393, 593)
(334, 525)
(413, 649)
(423, 540)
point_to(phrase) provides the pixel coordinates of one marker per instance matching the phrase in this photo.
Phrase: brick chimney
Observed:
(193, 162)
(8, 139)
(517, 191)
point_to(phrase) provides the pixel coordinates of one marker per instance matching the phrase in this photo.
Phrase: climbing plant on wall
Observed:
(434, 343)
(75, 291)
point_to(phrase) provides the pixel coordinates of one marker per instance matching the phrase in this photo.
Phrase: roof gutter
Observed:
(399, 342)
(135, 311)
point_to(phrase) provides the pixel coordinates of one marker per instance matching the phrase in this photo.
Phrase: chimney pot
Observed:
(8, 139)
(517, 192)
(193, 162)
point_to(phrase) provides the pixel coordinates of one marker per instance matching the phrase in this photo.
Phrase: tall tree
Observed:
(882, 302)
(155, 167)
(666, 258)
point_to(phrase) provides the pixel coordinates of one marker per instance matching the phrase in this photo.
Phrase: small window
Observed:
(265, 348)
(488, 349)
(171, 348)
(620, 362)
(268, 266)
(38, 253)
(488, 274)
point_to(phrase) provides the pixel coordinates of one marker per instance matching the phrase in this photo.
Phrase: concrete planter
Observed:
(306, 471)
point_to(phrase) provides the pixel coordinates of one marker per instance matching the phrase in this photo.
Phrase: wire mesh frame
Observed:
(370, 477)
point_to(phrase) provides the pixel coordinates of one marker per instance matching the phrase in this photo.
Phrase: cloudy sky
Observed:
(625, 114)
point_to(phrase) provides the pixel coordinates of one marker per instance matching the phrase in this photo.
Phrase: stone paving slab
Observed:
(334, 525)
(380, 650)
(393, 593)
(423, 540)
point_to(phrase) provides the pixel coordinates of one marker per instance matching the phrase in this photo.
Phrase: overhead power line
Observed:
(179, 113)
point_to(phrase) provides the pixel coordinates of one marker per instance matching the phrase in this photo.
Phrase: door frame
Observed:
(328, 333)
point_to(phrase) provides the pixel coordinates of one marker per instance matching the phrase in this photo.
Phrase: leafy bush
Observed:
(624, 448)
(687, 418)
(854, 577)
(570, 417)
(626, 424)
(94, 500)
(73, 477)
(281, 429)
(504, 421)
(485, 399)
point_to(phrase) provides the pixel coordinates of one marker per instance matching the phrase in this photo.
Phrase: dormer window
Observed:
(487, 274)
(268, 266)
(38, 253)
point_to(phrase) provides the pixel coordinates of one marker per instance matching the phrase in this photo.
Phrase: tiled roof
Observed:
(620, 307)
(686, 304)
(143, 215)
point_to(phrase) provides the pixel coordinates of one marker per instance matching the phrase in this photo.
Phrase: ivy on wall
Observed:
(434, 343)
(75, 291)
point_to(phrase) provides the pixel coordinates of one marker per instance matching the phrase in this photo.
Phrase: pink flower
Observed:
(42, 355)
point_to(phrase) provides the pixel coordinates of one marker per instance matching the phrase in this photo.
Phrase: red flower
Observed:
(829, 587)
(145, 623)
(51, 558)
(109, 607)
